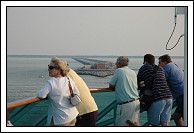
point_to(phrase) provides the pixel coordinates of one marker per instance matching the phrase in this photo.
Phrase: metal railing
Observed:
(19, 109)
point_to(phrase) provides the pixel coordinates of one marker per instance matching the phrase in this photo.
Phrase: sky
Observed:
(86, 30)
(112, 28)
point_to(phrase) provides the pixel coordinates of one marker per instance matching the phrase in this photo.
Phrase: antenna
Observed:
(175, 15)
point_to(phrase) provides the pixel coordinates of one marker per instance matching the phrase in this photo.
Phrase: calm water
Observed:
(27, 74)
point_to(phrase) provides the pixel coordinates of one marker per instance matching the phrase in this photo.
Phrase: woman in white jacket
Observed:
(60, 112)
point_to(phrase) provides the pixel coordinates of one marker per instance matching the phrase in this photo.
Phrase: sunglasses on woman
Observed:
(52, 67)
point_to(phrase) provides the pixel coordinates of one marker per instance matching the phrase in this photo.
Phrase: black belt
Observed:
(127, 101)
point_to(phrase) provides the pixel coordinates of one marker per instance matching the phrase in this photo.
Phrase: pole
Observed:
(184, 11)
(185, 66)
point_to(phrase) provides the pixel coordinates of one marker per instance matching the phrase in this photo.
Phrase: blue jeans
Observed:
(159, 111)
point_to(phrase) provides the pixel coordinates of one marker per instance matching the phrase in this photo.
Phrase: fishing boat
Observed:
(32, 112)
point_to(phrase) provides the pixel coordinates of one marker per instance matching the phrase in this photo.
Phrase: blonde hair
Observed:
(61, 64)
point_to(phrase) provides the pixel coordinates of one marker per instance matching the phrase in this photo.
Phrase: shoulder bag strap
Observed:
(70, 88)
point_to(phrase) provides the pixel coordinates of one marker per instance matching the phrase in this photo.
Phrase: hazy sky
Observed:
(93, 30)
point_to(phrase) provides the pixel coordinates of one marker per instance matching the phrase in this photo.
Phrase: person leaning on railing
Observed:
(124, 82)
(60, 112)
(175, 79)
(88, 110)
(159, 112)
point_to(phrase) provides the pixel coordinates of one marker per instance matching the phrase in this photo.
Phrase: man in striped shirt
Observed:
(159, 112)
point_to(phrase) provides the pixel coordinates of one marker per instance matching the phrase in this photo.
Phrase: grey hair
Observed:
(123, 60)
(62, 64)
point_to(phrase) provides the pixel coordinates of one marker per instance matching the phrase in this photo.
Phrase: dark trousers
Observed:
(180, 104)
(87, 120)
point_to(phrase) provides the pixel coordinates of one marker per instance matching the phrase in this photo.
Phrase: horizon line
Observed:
(86, 55)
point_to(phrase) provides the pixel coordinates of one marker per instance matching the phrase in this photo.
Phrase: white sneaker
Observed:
(9, 123)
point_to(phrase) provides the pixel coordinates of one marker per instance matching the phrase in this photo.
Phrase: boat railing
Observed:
(35, 99)
(19, 110)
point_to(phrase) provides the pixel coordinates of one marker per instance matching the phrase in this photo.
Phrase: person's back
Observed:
(159, 112)
(175, 79)
(160, 90)
(124, 82)
(87, 109)
(126, 79)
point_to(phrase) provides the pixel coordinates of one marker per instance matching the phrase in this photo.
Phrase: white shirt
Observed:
(58, 93)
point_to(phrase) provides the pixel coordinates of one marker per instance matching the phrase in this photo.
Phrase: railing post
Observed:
(115, 111)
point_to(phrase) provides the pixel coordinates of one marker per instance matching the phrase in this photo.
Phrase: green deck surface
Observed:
(35, 114)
